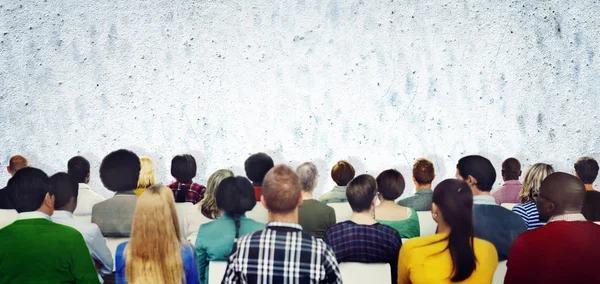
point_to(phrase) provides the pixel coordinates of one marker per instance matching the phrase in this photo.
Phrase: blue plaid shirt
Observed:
(375, 243)
(282, 253)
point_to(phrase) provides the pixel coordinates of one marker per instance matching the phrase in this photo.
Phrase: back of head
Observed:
(28, 188)
(480, 169)
(454, 200)
(120, 170)
(423, 171)
(16, 163)
(390, 184)
(281, 189)
(208, 205)
(257, 166)
(235, 196)
(560, 193)
(342, 173)
(511, 169)
(147, 173)
(308, 176)
(65, 189)
(153, 253)
(183, 168)
(532, 181)
(361, 192)
(78, 168)
(587, 169)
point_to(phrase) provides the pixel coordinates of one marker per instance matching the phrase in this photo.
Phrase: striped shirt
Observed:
(282, 253)
(529, 213)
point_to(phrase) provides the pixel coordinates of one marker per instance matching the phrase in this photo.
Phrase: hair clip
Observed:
(459, 189)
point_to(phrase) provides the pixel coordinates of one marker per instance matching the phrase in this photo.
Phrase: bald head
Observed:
(16, 163)
(560, 193)
(511, 169)
(281, 190)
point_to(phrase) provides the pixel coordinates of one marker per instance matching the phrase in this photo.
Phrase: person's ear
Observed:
(520, 172)
(49, 201)
(414, 180)
(471, 181)
(8, 170)
(264, 202)
(300, 200)
(576, 174)
(87, 178)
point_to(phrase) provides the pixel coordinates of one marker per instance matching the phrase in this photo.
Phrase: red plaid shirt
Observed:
(193, 192)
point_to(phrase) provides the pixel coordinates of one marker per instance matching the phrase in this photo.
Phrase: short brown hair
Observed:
(423, 171)
(281, 189)
(360, 192)
(390, 184)
(342, 173)
(17, 162)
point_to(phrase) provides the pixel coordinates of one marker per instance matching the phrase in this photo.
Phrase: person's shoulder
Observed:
(385, 229)
(484, 246)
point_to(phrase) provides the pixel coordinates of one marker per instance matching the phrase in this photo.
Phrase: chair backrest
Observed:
(216, 271)
(360, 273)
(7, 216)
(112, 244)
(509, 206)
(83, 218)
(182, 210)
(499, 273)
(426, 223)
(259, 213)
(343, 211)
(597, 223)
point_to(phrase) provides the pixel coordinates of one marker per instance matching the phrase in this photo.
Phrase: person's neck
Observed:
(46, 210)
(443, 228)
(386, 203)
(363, 218)
(307, 195)
(589, 187)
(423, 186)
(477, 192)
(290, 217)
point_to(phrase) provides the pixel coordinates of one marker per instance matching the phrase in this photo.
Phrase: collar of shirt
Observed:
(32, 215)
(62, 214)
(424, 191)
(512, 182)
(84, 186)
(128, 192)
(339, 188)
(256, 183)
(567, 217)
(284, 225)
(484, 200)
(226, 215)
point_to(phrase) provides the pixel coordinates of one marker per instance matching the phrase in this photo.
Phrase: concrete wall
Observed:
(377, 82)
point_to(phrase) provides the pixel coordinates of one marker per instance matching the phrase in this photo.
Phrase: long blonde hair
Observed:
(147, 175)
(153, 254)
(532, 181)
(208, 206)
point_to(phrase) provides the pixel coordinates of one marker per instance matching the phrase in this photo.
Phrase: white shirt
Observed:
(7, 216)
(86, 199)
(92, 236)
(192, 222)
(33, 215)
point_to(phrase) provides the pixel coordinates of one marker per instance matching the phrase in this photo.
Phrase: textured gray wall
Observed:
(378, 83)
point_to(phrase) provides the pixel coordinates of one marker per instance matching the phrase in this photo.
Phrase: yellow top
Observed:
(420, 261)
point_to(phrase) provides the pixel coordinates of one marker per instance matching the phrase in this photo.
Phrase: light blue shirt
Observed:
(336, 195)
(484, 200)
(92, 236)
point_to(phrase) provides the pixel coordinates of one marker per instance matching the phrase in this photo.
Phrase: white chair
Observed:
(112, 244)
(343, 211)
(597, 223)
(216, 271)
(7, 216)
(426, 223)
(259, 213)
(499, 273)
(509, 206)
(360, 273)
(182, 210)
(83, 218)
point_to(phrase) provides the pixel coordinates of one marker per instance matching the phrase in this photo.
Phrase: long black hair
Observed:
(235, 196)
(455, 201)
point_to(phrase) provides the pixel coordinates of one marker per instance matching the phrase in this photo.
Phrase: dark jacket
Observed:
(497, 225)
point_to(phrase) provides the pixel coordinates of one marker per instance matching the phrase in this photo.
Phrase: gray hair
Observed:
(308, 176)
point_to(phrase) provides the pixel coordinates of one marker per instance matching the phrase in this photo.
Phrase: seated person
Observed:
(529, 192)
(119, 172)
(15, 163)
(256, 167)
(453, 255)
(156, 252)
(566, 250)
(79, 169)
(147, 175)
(586, 169)
(35, 249)
(314, 216)
(423, 174)
(66, 190)
(492, 222)
(235, 196)
(341, 173)
(390, 185)
(362, 239)
(206, 210)
(509, 191)
(183, 169)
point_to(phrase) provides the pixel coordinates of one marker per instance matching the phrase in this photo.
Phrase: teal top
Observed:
(336, 195)
(407, 228)
(215, 240)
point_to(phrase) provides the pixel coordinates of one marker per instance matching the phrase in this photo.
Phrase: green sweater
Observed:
(40, 251)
